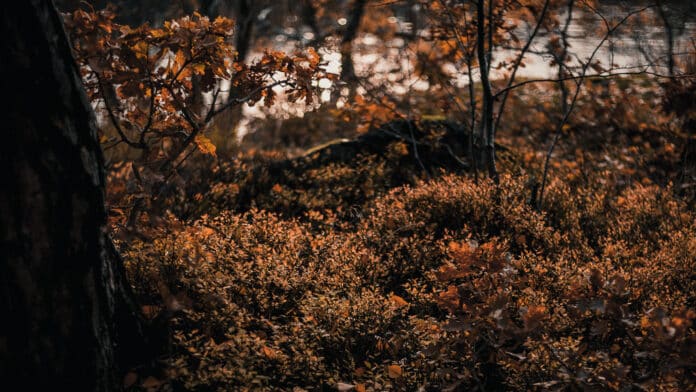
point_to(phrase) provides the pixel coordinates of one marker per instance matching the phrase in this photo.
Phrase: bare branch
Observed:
(112, 115)
(518, 62)
(578, 87)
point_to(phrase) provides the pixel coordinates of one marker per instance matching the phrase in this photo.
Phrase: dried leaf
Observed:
(345, 387)
(269, 352)
(394, 371)
(398, 301)
(205, 145)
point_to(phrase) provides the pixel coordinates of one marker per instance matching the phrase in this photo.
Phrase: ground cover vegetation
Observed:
(489, 232)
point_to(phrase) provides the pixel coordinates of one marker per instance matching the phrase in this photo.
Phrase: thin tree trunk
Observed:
(487, 133)
(309, 17)
(349, 35)
(245, 28)
(227, 122)
(669, 36)
(68, 320)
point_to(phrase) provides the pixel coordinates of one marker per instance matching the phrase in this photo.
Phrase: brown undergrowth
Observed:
(381, 263)
(448, 284)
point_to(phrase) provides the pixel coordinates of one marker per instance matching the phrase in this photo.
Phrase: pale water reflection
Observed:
(629, 49)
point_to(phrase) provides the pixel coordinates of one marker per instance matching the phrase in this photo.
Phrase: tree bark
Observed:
(355, 15)
(349, 35)
(245, 13)
(669, 35)
(487, 132)
(69, 319)
(309, 17)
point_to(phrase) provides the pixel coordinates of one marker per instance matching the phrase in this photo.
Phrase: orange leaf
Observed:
(179, 60)
(394, 371)
(398, 301)
(157, 33)
(450, 299)
(105, 27)
(199, 69)
(314, 57)
(205, 145)
(269, 352)
(534, 316)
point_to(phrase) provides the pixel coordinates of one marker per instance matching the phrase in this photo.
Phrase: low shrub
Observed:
(446, 285)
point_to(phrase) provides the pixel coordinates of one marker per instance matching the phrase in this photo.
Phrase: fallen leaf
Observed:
(269, 352)
(345, 387)
(398, 301)
(394, 371)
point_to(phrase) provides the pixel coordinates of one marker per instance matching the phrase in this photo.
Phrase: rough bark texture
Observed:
(63, 294)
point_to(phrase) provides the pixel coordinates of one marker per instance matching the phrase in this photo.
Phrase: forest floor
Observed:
(383, 263)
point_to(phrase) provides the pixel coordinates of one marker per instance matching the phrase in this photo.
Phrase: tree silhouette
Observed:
(68, 318)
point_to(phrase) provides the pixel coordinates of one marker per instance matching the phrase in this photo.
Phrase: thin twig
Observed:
(518, 62)
(112, 115)
(578, 87)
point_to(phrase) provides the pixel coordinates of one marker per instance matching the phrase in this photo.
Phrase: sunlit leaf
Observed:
(205, 145)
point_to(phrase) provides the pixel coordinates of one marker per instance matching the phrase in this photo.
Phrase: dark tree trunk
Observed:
(669, 35)
(309, 17)
(245, 15)
(348, 76)
(487, 132)
(349, 35)
(68, 321)
(686, 180)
